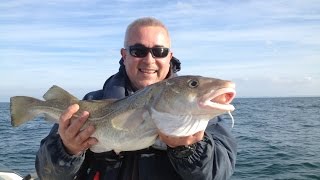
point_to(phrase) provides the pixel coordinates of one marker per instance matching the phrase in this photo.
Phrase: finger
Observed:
(77, 124)
(85, 134)
(193, 138)
(90, 142)
(87, 144)
(198, 136)
(79, 148)
(65, 117)
(169, 140)
(180, 141)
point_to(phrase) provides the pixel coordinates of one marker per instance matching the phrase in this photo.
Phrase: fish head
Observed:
(195, 95)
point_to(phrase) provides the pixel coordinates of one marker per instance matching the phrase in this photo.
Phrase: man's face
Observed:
(143, 71)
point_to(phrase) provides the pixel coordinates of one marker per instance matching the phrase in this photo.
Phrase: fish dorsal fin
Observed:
(57, 93)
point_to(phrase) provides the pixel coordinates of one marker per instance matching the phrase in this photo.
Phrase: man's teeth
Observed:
(148, 71)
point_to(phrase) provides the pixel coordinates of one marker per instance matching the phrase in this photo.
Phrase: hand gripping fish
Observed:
(178, 106)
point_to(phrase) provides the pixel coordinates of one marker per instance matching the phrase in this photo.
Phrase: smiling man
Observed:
(144, 68)
(146, 59)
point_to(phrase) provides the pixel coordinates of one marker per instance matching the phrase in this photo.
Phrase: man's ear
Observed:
(123, 53)
(171, 54)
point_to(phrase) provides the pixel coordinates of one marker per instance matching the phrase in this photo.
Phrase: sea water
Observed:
(278, 138)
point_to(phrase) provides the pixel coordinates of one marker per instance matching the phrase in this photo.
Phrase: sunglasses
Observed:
(142, 51)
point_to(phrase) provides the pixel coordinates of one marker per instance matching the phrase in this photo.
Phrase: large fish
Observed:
(179, 106)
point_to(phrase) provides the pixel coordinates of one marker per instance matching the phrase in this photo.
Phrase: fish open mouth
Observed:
(219, 99)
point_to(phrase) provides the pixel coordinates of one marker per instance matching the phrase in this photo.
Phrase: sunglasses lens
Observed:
(138, 51)
(160, 52)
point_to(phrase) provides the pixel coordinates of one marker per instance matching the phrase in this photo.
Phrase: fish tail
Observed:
(20, 109)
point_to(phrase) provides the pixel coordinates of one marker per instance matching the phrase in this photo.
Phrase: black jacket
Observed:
(213, 157)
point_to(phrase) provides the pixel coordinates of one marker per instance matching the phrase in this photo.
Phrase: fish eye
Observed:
(193, 83)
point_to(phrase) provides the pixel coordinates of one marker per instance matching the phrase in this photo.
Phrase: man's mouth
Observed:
(148, 71)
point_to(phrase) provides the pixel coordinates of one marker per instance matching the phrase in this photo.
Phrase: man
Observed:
(146, 59)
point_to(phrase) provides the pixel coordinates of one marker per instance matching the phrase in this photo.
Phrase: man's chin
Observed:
(143, 84)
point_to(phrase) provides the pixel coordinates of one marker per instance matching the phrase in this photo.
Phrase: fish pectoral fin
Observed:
(129, 120)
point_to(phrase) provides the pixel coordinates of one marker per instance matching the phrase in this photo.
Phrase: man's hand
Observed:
(74, 139)
(181, 141)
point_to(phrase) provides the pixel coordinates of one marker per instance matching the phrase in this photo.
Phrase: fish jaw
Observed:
(218, 99)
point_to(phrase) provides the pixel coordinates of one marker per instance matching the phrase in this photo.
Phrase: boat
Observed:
(8, 174)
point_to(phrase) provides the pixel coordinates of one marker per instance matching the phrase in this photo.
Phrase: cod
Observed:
(179, 106)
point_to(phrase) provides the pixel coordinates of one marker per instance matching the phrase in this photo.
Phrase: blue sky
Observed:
(269, 48)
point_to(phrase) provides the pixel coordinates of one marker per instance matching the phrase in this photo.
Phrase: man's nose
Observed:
(149, 58)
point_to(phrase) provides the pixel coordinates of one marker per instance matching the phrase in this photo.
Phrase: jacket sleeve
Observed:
(53, 162)
(214, 157)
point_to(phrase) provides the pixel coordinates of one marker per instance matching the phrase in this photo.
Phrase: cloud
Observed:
(286, 33)
(308, 78)
(268, 44)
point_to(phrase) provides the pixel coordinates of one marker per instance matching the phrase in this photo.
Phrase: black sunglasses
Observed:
(142, 51)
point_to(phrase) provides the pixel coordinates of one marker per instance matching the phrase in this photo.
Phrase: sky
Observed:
(268, 48)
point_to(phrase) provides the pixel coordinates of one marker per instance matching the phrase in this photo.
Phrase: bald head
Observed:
(143, 22)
